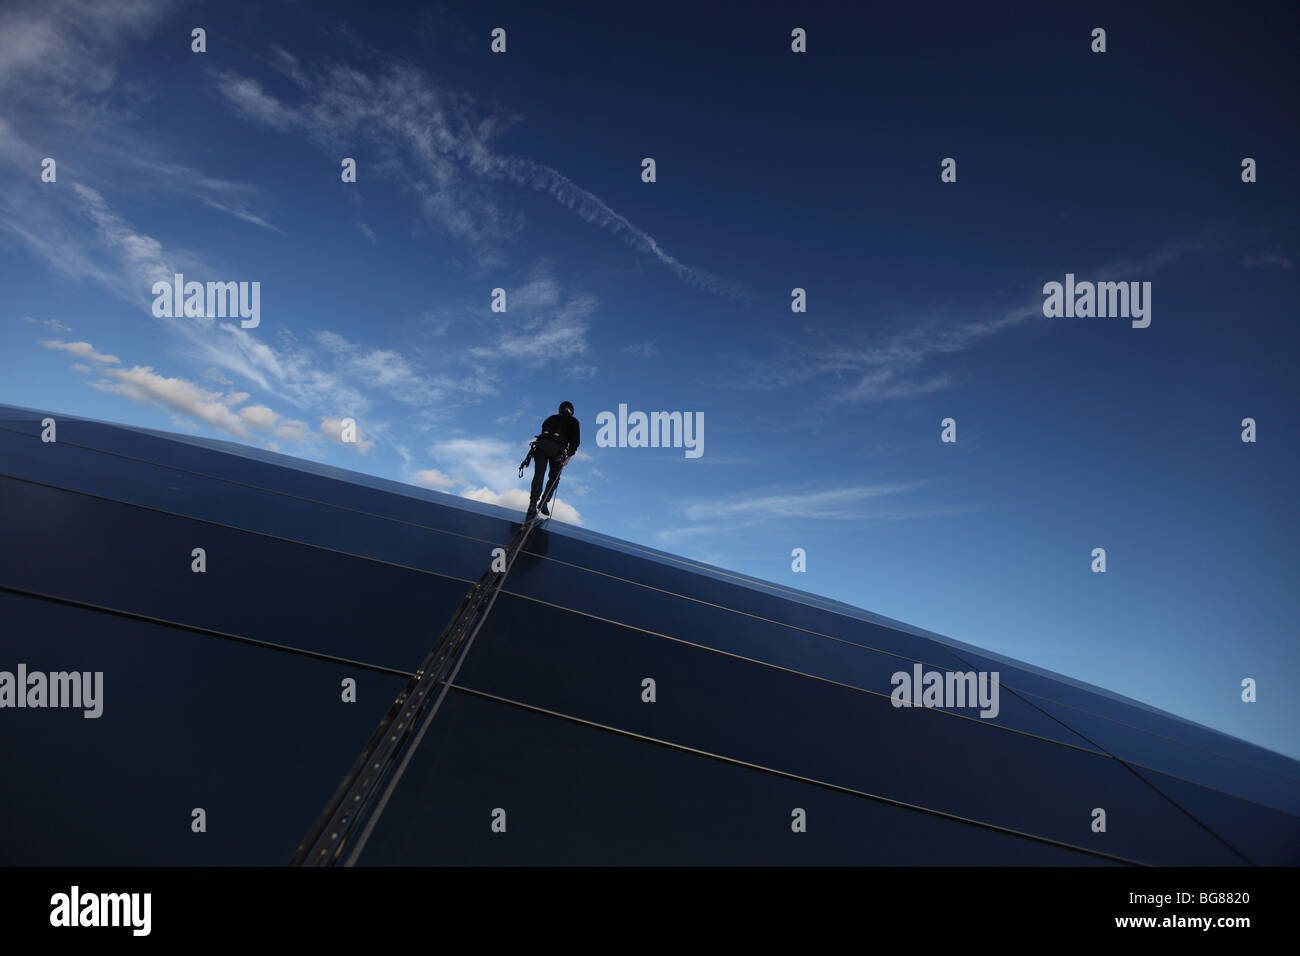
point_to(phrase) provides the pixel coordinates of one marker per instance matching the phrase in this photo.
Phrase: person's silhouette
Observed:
(556, 443)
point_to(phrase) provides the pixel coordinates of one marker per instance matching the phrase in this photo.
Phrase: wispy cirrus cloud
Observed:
(392, 372)
(543, 321)
(643, 349)
(539, 341)
(838, 504)
(240, 211)
(413, 122)
(251, 102)
(880, 367)
(140, 254)
(59, 75)
(1268, 259)
(882, 502)
(54, 53)
(54, 324)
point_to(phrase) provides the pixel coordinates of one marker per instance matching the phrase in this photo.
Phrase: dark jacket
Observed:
(564, 431)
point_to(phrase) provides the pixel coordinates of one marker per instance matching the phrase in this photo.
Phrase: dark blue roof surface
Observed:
(225, 691)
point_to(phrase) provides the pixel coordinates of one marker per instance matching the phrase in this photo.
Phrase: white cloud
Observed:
(541, 293)
(1268, 259)
(84, 350)
(291, 429)
(119, 257)
(257, 416)
(143, 384)
(489, 463)
(141, 254)
(543, 325)
(713, 460)
(835, 504)
(239, 211)
(592, 209)
(332, 428)
(433, 478)
(517, 499)
(246, 96)
(882, 384)
(175, 177)
(288, 64)
(132, 154)
(543, 341)
(55, 52)
(853, 503)
(188, 400)
(436, 322)
(393, 373)
(482, 460)
(263, 419)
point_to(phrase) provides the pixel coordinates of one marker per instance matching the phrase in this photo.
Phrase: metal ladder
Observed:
(336, 828)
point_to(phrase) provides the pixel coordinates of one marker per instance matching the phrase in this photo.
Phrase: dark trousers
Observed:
(543, 452)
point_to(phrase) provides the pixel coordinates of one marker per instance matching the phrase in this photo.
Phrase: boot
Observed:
(532, 509)
(545, 508)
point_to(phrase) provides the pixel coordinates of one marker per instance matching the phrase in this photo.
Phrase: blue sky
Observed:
(775, 170)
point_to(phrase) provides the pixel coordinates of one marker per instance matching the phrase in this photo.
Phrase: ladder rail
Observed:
(324, 843)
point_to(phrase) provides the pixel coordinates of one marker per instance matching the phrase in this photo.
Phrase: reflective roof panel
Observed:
(621, 800)
(257, 739)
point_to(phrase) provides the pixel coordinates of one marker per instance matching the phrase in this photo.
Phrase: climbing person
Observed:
(556, 443)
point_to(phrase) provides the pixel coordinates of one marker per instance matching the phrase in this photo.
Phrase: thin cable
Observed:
(205, 631)
(824, 784)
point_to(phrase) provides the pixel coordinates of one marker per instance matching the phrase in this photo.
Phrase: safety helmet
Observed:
(566, 408)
